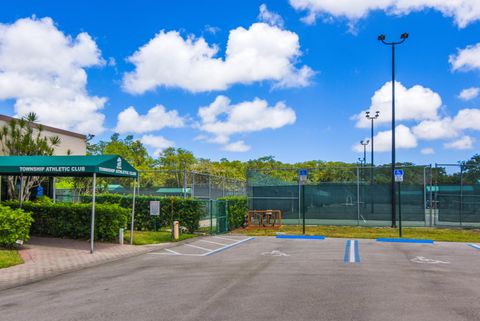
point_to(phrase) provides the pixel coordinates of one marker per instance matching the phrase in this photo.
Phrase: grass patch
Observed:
(436, 234)
(9, 258)
(151, 237)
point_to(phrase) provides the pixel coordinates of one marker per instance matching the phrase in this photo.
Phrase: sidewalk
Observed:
(46, 257)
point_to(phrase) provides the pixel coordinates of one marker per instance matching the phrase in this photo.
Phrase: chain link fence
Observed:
(362, 195)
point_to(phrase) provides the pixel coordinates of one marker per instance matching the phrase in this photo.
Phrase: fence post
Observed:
(424, 195)
(184, 181)
(461, 194)
(358, 196)
(223, 186)
(431, 196)
(210, 211)
(193, 184)
(209, 186)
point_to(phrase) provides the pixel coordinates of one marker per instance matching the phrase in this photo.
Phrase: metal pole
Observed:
(371, 134)
(21, 190)
(184, 181)
(138, 184)
(209, 187)
(399, 210)
(431, 196)
(299, 201)
(92, 227)
(54, 190)
(133, 212)
(424, 193)
(223, 186)
(358, 196)
(303, 206)
(394, 218)
(461, 195)
(193, 184)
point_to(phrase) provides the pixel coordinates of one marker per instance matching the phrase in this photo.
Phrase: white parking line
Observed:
(226, 238)
(222, 244)
(352, 251)
(199, 247)
(173, 252)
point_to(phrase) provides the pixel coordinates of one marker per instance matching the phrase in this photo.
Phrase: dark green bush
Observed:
(14, 225)
(73, 220)
(236, 210)
(187, 211)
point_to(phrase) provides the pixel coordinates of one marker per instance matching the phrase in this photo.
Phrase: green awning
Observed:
(83, 166)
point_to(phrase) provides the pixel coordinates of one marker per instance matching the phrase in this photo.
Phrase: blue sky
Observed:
(295, 75)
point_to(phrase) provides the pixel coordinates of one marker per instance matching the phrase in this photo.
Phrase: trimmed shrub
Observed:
(73, 220)
(236, 210)
(14, 225)
(187, 211)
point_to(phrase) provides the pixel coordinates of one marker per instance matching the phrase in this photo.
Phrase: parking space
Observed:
(231, 277)
(205, 246)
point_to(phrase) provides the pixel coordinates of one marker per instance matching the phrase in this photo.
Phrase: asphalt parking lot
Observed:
(265, 279)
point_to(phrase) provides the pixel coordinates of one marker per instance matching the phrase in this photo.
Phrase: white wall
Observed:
(75, 143)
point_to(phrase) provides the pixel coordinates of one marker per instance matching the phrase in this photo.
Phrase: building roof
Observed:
(48, 128)
(83, 166)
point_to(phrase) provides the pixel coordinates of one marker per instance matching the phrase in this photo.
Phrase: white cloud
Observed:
(404, 139)
(158, 143)
(436, 129)
(156, 118)
(272, 18)
(415, 103)
(469, 93)
(43, 71)
(427, 151)
(467, 119)
(465, 142)
(463, 12)
(467, 58)
(238, 146)
(220, 120)
(261, 52)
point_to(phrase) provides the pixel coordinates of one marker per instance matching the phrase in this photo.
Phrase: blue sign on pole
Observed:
(398, 173)
(302, 175)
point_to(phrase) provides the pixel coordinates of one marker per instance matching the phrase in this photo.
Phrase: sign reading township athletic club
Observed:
(52, 169)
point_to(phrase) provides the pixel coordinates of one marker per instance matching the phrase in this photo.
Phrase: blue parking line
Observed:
(301, 237)
(395, 240)
(347, 251)
(474, 246)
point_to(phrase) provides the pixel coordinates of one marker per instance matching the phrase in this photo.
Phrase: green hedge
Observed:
(73, 220)
(14, 225)
(236, 210)
(187, 211)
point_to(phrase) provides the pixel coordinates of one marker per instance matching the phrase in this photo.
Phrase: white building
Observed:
(70, 143)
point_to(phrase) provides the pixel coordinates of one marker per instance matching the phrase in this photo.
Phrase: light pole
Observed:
(364, 144)
(372, 118)
(381, 38)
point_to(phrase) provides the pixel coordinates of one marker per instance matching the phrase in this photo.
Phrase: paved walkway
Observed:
(45, 257)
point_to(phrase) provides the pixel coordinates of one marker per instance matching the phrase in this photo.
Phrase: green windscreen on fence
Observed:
(351, 196)
(441, 195)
